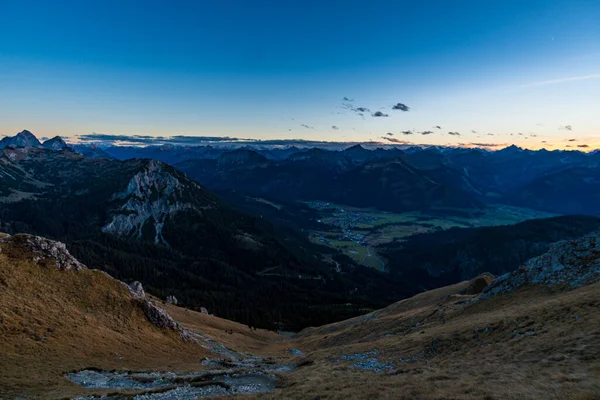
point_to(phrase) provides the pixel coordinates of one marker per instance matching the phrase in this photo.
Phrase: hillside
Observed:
(57, 316)
(449, 256)
(528, 334)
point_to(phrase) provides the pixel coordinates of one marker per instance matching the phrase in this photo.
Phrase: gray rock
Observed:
(137, 290)
(152, 195)
(172, 300)
(159, 317)
(45, 251)
(569, 263)
(203, 310)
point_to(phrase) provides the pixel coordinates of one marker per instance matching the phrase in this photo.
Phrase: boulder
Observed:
(137, 290)
(477, 284)
(203, 310)
(172, 300)
(159, 317)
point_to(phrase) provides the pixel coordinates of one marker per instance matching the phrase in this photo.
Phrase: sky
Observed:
(484, 72)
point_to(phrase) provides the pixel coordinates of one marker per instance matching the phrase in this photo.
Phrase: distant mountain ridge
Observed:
(27, 139)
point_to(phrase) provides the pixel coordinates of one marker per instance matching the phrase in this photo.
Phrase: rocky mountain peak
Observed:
(21, 139)
(151, 196)
(56, 143)
(240, 156)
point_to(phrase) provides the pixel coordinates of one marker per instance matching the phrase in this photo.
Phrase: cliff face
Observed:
(152, 195)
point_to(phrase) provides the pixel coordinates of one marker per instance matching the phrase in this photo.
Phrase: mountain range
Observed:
(435, 176)
(144, 220)
(227, 231)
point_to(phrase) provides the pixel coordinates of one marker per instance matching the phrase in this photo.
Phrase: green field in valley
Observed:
(358, 231)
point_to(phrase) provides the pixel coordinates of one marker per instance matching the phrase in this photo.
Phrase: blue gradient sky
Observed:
(260, 69)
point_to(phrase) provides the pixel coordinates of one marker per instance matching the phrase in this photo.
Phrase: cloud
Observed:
(563, 80)
(390, 134)
(583, 146)
(426, 133)
(409, 132)
(394, 140)
(438, 127)
(454, 133)
(571, 140)
(565, 128)
(346, 99)
(361, 109)
(473, 131)
(335, 128)
(490, 134)
(543, 141)
(488, 144)
(401, 107)
(379, 114)
(307, 126)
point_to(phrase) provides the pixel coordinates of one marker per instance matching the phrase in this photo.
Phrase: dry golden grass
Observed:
(53, 322)
(533, 344)
(461, 360)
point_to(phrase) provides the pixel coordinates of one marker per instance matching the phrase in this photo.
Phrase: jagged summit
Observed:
(356, 147)
(56, 143)
(511, 149)
(22, 139)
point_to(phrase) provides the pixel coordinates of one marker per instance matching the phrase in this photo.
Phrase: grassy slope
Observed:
(52, 322)
(560, 361)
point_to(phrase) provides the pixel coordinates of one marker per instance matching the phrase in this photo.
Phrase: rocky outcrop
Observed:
(172, 300)
(568, 263)
(150, 197)
(45, 251)
(159, 317)
(137, 290)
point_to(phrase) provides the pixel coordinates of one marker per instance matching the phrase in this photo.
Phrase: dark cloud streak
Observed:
(401, 107)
